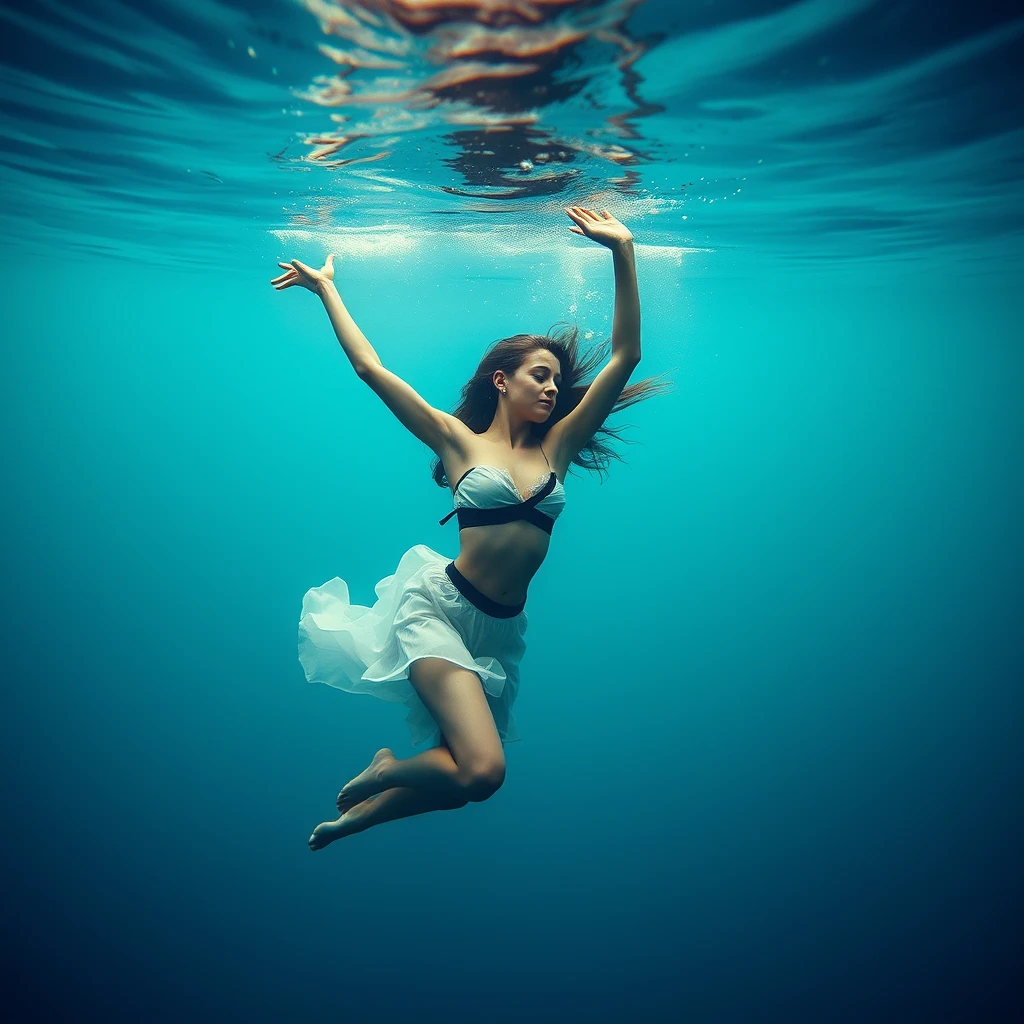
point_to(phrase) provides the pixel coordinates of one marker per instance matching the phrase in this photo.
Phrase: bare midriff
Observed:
(500, 559)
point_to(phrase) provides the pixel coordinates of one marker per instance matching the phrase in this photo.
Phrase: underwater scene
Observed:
(334, 327)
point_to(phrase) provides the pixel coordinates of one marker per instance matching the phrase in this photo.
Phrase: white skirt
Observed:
(419, 613)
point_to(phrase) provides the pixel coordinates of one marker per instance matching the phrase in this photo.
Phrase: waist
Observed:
(479, 599)
(502, 560)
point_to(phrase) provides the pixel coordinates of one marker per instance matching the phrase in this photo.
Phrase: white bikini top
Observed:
(488, 494)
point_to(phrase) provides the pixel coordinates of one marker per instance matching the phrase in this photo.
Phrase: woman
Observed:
(446, 638)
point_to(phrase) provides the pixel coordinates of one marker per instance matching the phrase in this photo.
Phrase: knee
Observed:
(483, 780)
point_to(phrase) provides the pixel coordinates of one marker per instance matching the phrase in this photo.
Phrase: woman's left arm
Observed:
(604, 228)
(570, 433)
(626, 318)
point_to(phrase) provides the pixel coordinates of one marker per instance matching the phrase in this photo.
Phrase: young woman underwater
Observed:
(445, 638)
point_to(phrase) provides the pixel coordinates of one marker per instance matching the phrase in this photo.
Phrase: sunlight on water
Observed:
(817, 130)
(481, 81)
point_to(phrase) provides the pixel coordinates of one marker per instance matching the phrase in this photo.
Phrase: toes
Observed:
(320, 838)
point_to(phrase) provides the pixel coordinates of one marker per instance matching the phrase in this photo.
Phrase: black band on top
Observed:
(506, 513)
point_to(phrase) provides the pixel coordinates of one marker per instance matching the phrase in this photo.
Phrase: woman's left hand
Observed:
(601, 227)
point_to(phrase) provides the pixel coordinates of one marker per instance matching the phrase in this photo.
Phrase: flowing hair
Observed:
(479, 397)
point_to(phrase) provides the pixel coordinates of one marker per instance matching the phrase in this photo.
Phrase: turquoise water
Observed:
(771, 706)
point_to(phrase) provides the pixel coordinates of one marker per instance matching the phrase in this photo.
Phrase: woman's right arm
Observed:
(321, 282)
(435, 428)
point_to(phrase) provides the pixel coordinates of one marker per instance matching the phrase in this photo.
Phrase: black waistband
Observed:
(481, 601)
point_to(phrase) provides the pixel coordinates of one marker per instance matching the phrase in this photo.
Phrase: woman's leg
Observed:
(400, 802)
(468, 765)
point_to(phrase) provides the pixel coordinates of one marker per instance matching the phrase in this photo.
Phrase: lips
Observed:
(544, 401)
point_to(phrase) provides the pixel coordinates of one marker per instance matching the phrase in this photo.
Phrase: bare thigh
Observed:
(455, 699)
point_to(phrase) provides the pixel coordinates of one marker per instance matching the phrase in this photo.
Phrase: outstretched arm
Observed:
(604, 228)
(321, 282)
(433, 427)
(577, 427)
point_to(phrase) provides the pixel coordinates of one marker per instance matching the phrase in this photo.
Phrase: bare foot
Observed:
(348, 824)
(366, 783)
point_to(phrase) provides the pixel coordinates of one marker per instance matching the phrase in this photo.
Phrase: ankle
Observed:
(381, 770)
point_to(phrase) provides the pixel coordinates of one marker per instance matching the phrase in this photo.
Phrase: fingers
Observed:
(583, 213)
(576, 213)
(302, 268)
(296, 272)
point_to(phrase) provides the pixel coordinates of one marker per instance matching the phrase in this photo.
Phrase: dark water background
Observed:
(771, 708)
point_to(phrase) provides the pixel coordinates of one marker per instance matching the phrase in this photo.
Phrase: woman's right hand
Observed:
(298, 273)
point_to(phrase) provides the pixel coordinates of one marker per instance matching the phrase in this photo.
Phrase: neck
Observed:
(514, 432)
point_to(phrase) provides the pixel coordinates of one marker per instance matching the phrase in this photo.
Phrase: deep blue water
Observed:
(771, 707)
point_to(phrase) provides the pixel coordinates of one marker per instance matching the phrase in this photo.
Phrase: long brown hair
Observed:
(479, 397)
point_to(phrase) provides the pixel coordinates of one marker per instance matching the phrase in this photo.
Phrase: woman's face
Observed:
(533, 388)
